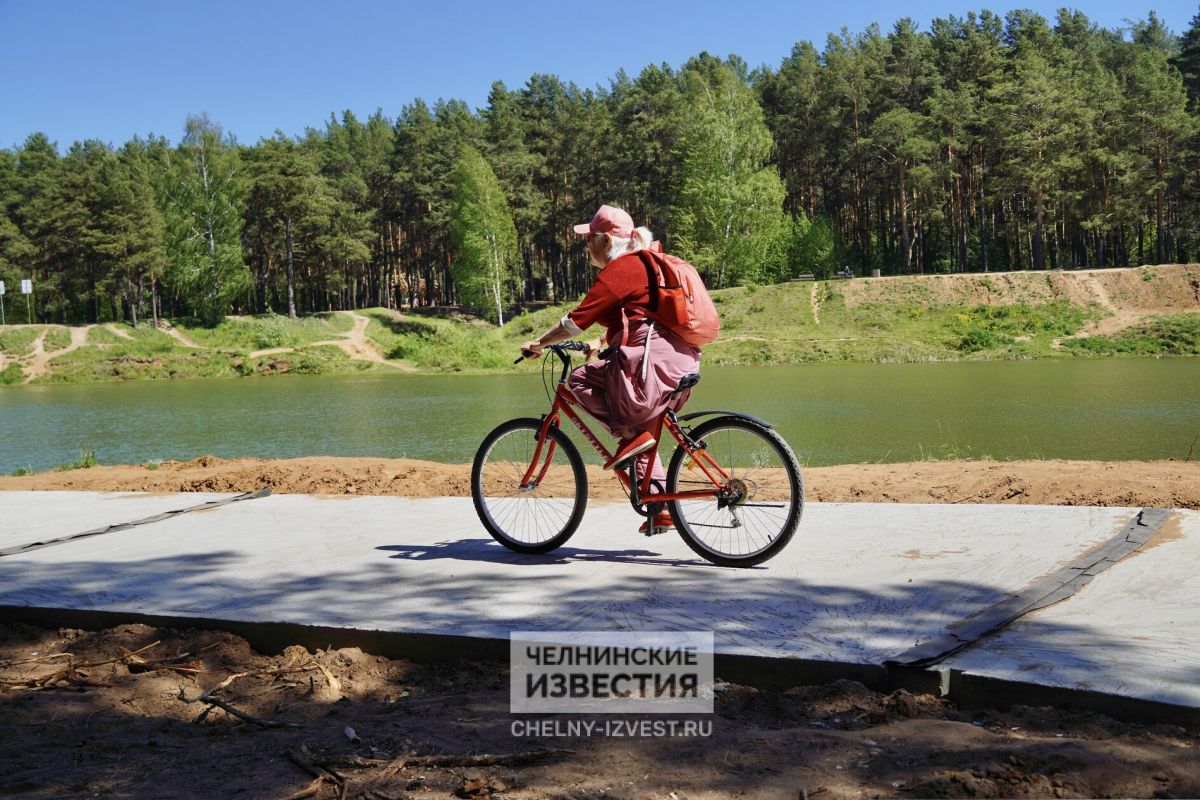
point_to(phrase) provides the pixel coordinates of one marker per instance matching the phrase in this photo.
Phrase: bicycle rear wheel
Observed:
(540, 516)
(758, 514)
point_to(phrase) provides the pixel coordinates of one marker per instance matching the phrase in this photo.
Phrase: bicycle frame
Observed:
(564, 404)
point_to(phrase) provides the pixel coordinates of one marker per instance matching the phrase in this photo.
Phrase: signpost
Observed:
(1, 302)
(27, 290)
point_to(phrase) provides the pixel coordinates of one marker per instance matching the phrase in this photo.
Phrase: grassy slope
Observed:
(944, 318)
(935, 318)
(224, 351)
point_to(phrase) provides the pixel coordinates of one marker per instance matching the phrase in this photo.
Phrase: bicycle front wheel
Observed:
(758, 511)
(535, 516)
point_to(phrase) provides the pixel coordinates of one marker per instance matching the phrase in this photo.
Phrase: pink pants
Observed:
(628, 391)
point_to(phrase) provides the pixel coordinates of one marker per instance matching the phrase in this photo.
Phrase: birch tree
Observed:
(729, 209)
(485, 238)
(204, 221)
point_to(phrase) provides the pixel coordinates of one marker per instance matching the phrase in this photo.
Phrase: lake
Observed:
(830, 413)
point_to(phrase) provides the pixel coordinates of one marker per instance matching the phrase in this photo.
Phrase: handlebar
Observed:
(558, 349)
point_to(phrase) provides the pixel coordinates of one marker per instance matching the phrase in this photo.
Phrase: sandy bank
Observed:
(1165, 484)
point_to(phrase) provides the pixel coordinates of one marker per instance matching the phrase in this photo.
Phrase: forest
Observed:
(983, 143)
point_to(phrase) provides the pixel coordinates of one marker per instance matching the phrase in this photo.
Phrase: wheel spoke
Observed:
(764, 500)
(531, 519)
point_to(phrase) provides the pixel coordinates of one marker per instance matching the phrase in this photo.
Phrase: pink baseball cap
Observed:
(608, 219)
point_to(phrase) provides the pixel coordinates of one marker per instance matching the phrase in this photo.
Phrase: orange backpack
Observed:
(678, 298)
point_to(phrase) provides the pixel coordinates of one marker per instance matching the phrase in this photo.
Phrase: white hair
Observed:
(617, 246)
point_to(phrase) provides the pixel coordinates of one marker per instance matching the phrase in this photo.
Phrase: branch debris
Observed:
(72, 672)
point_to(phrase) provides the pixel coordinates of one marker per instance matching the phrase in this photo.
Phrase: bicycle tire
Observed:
(772, 501)
(528, 521)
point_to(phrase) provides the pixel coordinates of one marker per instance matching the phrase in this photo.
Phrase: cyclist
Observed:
(639, 363)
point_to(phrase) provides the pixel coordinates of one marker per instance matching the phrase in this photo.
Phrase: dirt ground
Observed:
(101, 722)
(1161, 484)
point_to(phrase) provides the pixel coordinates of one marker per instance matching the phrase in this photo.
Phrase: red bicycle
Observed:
(733, 485)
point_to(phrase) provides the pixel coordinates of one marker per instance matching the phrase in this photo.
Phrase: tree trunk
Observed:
(1159, 231)
(905, 235)
(291, 291)
(1038, 245)
(133, 309)
(154, 300)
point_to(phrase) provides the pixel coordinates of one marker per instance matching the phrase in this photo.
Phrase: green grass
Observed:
(12, 374)
(992, 327)
(57, 337)
(268, 331)
(87, 458)
(323, 360)
(1169, 335)
(18, 341)
(891, 322)
(442, 345)
(149, 358)
(100, 334)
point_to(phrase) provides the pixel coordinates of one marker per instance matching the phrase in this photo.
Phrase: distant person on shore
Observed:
(640, 361)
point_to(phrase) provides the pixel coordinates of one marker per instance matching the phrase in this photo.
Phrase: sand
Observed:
(1162, 484)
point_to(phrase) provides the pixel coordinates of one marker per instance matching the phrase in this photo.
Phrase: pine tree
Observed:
(131, 231)
(38, 177)
(16, 251)
(290, 202)
(1038, 120)
(1156, 108)
(1188, 60)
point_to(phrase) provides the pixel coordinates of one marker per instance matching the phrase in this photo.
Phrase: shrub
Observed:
(975, 339)
(273, 333)
(87, 458)
(1172, 335)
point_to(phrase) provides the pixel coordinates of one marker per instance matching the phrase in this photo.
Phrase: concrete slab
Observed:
(859, 582)
(1131, 631)
(37, 516)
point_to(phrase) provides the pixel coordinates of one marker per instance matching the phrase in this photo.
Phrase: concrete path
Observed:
(860, 583)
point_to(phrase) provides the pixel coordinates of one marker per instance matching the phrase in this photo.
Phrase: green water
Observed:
(832, 413)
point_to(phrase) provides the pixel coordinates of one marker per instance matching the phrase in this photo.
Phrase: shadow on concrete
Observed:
(759, 614)
(491, 552)
(462, 593)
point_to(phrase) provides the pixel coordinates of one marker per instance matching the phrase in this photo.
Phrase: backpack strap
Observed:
(651, 277)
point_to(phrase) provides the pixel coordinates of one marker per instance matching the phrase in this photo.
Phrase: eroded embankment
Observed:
(1162, 484)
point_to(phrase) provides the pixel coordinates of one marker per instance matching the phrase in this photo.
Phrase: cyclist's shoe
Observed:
(662, 523)
(628, 449)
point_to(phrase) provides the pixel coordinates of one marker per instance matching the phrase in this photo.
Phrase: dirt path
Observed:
(354, 343)
(1118, 320)
(170, 330)
(38, 364)
(815, 300)
(1121, 318)
(117, 331)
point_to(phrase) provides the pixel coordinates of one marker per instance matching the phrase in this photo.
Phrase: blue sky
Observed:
(78, 69)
